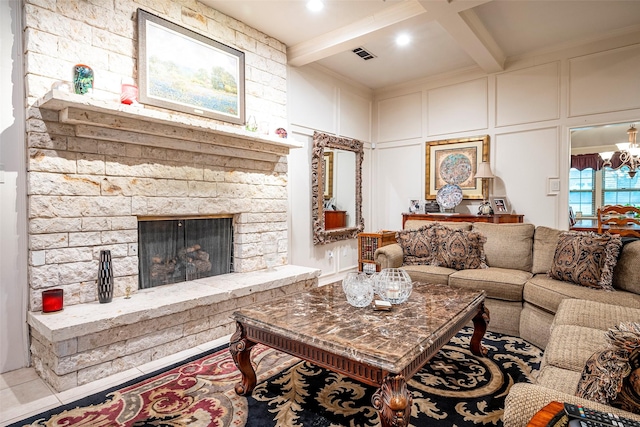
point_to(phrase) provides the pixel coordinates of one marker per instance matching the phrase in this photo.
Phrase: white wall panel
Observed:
(302, 251)
(523, 161)
(14, 341)
(538, 87)
(400, 118)
(457, 108)
(605, 81)
(355, 116)
(314, 99)
(399, 181)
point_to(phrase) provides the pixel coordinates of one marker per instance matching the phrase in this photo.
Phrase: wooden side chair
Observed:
(619, 220)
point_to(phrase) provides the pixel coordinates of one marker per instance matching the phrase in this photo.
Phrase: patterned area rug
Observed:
(454, 389)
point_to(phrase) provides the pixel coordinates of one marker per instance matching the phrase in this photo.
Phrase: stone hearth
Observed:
(89, 341)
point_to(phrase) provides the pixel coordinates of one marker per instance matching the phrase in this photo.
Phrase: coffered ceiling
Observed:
(447, 36)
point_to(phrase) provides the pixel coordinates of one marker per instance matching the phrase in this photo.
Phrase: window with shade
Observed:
(618, 188)
(582, 191)
(589, 189)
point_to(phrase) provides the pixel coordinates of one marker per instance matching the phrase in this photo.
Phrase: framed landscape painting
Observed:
(182, 70)
(455, 161)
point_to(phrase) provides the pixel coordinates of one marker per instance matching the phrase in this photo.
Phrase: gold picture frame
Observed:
(455, 161)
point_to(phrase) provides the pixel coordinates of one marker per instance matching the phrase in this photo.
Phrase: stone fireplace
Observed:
(96, 168)
(118, 166)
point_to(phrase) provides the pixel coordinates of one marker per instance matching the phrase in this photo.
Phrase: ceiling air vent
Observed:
(363, 53)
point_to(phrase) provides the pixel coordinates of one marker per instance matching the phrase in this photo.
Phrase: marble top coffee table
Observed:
(379, 348)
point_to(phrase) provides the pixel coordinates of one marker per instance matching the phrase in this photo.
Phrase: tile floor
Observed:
(23, 393)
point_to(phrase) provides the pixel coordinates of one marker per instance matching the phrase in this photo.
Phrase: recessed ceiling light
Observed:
(403, 39)
(315, 5)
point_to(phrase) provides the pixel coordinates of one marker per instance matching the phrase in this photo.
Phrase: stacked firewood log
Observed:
(190, 262)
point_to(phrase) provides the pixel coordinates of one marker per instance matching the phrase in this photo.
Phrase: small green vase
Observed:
(82, 79)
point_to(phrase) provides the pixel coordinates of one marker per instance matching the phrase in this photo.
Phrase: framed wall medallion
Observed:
(455, 162)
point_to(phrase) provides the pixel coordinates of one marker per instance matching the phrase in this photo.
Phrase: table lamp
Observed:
(484, 172)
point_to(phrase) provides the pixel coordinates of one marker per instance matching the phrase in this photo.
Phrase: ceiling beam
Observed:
(462, 23)
(352, 35)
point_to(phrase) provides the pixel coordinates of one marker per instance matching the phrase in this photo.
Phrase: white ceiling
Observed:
(447, 36)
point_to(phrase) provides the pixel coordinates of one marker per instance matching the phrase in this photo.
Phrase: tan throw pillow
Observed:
(508, 245)
(459, 249)
(418, 246)
(545, 240)
(612, 376)
(586, 258)
(626, 275)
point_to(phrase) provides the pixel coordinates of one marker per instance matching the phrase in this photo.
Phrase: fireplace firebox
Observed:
(182, 249)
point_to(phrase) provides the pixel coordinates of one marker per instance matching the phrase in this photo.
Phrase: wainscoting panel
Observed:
(458, 108)
(605, 81)
(538, 86)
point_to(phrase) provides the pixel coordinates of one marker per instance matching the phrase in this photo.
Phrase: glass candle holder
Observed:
(128, 94)
(52, 300)
(393, 285)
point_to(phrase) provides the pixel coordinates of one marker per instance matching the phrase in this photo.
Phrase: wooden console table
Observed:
(460, 217)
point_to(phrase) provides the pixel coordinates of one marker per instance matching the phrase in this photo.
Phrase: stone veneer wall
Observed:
(85, 194)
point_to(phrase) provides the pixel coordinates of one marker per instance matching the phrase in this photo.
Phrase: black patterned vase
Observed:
(105, 277)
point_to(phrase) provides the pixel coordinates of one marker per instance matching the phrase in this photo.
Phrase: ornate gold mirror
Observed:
(336, 186)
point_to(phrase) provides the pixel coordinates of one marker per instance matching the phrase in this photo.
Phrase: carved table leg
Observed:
(480, 322)
(393, 402)
(240, 349)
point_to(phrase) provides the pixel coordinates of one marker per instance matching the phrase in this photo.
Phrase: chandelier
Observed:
(629, 153)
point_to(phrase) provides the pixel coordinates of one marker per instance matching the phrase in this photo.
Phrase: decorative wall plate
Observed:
(449, 196)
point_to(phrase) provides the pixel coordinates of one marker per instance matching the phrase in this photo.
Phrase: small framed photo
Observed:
(415, 206)
(500, 205)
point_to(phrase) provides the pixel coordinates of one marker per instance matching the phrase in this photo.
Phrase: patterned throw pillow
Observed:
(586, 258)
(612, 376)
(417, 245)
(459, 249)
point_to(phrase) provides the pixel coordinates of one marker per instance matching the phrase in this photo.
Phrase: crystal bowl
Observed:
(358, 288)
(393, 285)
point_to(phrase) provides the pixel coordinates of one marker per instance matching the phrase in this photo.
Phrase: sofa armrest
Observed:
(524, 400)
(389, 256)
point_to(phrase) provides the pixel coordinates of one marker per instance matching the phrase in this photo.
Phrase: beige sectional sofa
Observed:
(521, 298)
(568, 321)
(578, 331)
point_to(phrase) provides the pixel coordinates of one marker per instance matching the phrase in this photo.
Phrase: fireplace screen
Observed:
(173, 251)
